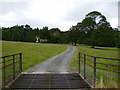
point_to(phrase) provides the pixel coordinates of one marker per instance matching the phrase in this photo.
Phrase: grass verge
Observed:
(103, 77)
(33, 53)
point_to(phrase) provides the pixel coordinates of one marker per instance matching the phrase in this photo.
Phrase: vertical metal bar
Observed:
(78, 62)
(4, 74)
(20, 62)
(84, 66)
(13, 67)
(94, 71)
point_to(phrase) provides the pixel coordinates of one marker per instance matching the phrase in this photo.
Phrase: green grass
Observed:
(33, 53)
(109, 52)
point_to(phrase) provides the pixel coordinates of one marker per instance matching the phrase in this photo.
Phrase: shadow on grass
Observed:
(101, 48)
(106, 49)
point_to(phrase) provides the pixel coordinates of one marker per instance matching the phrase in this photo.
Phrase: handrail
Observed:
(101, 57)
(84, 59)
(10, 55)
(8, 64)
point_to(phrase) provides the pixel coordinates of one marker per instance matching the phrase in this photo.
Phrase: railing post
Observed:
(84, 66)
(94, 71)
(78, 62)
(4, 74)
(13, 67)
(20, 62)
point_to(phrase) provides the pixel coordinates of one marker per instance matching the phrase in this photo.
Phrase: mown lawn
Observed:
(104, 77)
(33, 53)
(109, 52)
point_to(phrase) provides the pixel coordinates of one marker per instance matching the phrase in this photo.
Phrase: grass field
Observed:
(105, 76)
(33, 53)
(109, 52)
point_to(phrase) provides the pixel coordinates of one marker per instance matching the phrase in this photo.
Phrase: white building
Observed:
(38, 39)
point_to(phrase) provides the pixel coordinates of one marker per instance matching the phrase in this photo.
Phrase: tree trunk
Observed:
(72, 43)
(75, 43)
(92, 46)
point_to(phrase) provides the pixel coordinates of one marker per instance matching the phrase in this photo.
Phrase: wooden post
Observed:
(20, 62)
(78, 62)
(94, 71)
(13, 67)
(4, 74)
(84, 66)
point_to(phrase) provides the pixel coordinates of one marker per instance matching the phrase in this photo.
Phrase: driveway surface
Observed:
(58, 63)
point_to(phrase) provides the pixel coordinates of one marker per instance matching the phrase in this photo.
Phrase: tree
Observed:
(6, 35)
(74, 35)
(44, 33)
(15, 35)
(117, 37)
(65, 37)
(55, 35)
(98, 30)
(82, 36)
(107, 36)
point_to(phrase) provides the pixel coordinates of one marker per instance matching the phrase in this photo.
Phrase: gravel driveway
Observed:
(58, 63)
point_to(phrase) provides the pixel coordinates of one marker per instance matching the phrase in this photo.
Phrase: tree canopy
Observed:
(93, 30)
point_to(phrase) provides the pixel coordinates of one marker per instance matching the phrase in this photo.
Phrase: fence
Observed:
(94, 68)
(10, 67)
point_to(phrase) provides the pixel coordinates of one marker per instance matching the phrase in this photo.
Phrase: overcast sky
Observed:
(54, 13)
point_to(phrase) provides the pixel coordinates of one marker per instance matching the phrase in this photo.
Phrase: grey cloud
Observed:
(119, 13)
(108, 9)
(7, 7)
(33, 23)
(79, 11)
(76, 13)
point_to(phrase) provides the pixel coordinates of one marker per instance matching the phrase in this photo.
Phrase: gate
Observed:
(93, 69)
(10, 68)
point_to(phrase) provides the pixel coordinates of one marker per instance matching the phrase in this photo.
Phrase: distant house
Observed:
(43, 40)
(38, 39)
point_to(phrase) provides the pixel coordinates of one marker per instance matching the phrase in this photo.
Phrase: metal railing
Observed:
(92, 68)
(10, 67)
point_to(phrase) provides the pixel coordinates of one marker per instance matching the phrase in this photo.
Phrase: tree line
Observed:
(94, 30)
